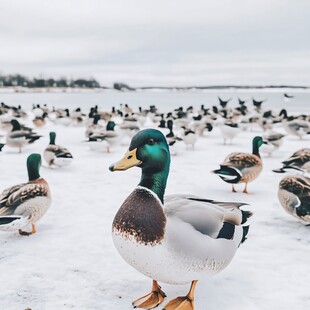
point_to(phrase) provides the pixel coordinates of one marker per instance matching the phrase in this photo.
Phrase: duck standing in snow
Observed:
(189, 137)
(25, 203)
(272, 142)
(242, 167)
(18, 137)
(178, 239)
(294, 196)
(103, 140)
(55, 154)
(229, 130)
(172, 139)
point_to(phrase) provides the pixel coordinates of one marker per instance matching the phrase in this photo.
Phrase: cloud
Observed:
(154, 42)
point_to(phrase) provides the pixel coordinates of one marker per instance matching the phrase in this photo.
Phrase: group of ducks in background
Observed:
(148, 223)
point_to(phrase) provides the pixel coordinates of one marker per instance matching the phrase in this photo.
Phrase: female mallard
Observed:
(177, 242)
(294, 196)
(19, 137)
(25, 203)
(55, 154)
(242, 167)
(300, 161)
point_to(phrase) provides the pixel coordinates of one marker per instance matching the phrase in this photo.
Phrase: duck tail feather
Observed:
(245, 216)
(245, 233)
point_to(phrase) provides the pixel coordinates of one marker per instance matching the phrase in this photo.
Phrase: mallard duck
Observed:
(129, 125)
(62, 117)
(242, 167)
(25, 203)
(176, 240)
(19, 138)
(172, 139)
(55, 154)
(94, 127)
(294, 126)
(300, 161)
(229, 130)
(294, 196)
(272, 142)
(103, 140)
(189, 137)
(40, 121)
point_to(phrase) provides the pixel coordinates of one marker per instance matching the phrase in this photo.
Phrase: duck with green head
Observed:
(56, 155)
(25, 203)
(242, 167)
(19, 137)
(175, 239)
(103, 140)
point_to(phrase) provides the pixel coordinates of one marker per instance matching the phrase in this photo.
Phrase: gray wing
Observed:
(205, 215)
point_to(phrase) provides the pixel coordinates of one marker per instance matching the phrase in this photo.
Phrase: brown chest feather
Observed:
(141, 216)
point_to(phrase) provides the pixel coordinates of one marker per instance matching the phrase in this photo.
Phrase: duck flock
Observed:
(171, 239)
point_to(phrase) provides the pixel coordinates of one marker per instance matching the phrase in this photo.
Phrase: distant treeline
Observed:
(20, 80)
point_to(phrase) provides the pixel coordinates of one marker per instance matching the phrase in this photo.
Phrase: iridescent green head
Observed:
(52, 137)
(148, 150)
(33, 166)
(256, 143)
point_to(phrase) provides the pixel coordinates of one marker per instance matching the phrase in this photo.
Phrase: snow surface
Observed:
(71, 262)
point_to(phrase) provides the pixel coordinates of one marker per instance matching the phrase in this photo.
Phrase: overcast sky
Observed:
(160, 42)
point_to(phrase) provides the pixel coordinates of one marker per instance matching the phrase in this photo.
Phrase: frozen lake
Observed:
(164, 100)
(71, 263)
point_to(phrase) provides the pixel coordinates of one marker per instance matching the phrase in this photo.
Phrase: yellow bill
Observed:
(128, 161)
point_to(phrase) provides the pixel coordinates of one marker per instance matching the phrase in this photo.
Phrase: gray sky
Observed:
(160, 42)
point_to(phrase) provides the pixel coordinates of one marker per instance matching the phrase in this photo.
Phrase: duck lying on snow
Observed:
(294, 196)
(25, 203)
(242, 167)
(55, 154)
(179, 241)
(300, 161)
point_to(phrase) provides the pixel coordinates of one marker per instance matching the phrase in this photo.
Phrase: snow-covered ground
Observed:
(71, 262)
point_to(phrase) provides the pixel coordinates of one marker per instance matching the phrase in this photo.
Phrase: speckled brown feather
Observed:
(12, 197)
(299, 158)
(242, 159)
(249, 165)
(298, 185)
(141, 216)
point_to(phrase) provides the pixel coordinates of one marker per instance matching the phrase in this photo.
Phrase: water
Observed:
(164, 100)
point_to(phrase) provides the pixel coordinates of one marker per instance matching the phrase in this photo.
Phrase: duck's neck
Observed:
(156, 182)
(256, 149)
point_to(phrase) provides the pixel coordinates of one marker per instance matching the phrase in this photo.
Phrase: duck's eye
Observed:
(151, 141)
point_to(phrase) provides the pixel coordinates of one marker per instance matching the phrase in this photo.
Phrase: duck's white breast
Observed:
(182, 256)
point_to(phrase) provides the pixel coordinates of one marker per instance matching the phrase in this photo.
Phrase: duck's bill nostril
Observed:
(130, 156)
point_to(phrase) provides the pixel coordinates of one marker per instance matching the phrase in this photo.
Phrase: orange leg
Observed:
(151, 300)
(233, 189)
(184, 302)
(25, 233)
(246, 188)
